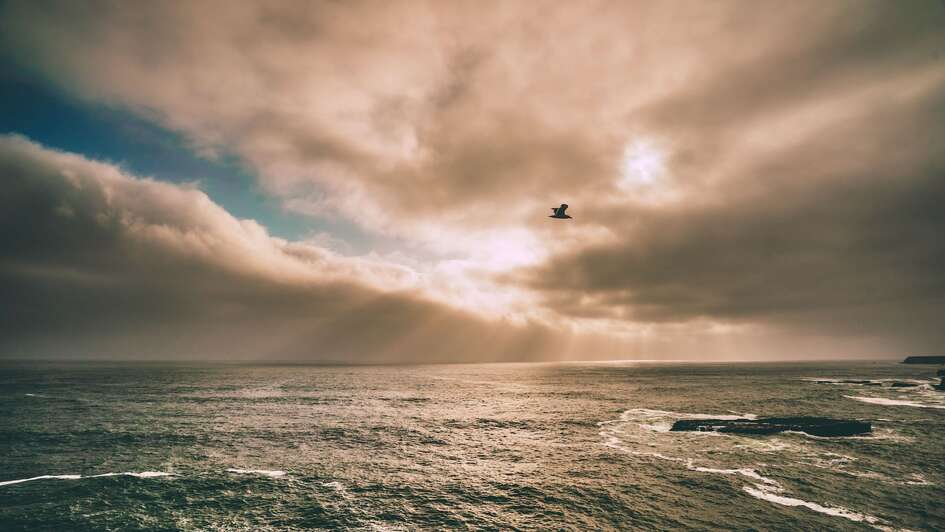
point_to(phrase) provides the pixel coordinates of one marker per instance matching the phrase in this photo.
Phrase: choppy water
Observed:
(530, 446)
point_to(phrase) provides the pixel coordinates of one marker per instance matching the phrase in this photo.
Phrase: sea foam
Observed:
(619, 434)
(893, 402)
(143, 474)
(264, 472)
(770, 495)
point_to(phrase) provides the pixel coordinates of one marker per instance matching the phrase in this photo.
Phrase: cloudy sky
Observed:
(371, 181)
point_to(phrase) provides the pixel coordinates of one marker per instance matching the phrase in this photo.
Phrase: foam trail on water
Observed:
(265, 472)
(41, 477)
(769, 490)
(892, 402)
(744, 471)
(628, 415)
(143, 474)
(771, 495)
(337, 486)
(757, 485)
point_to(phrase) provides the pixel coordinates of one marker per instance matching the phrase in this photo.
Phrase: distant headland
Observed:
(932, 359)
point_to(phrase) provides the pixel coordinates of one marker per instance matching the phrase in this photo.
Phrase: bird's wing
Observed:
(554, 210)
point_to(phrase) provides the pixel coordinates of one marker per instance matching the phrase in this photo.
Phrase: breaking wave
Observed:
(264, 472)
(894, 402)
(645, 432)
(143, 474)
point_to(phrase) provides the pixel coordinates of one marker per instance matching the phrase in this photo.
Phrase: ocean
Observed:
(571, 446)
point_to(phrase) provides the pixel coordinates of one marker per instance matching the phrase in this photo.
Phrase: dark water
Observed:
(530, 446)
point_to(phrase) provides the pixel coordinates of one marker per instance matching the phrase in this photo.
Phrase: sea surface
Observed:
(103, 446)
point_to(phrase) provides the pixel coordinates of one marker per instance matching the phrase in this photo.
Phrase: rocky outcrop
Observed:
(850, 381)
(934, 359)
(815, 426)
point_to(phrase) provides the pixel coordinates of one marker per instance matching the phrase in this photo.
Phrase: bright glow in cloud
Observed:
(643, 164)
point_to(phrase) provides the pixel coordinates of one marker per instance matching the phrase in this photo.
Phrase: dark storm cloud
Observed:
(94, 263)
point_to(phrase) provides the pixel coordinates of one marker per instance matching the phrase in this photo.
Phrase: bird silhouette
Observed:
(559, 212)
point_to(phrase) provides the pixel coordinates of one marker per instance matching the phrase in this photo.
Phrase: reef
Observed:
(850, 381)
(815, 426)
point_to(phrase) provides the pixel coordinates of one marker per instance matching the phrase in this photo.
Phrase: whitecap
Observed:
(825, 380)
(143, 474)
(657, 427)
(918, 480)
(654, 455)
(839, 511)
(893, 402)
(41, 477)
(770, 490)
(744, 471)
(265, 472)
(629, 434)
(633, 413)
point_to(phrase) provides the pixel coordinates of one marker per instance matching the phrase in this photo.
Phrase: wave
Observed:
(55, 398)
(662, 420)
(264, 472)
(638, 432)
(629, 414)
(337, 486)
(41, 477)
(770, 490)
(893, 402)
(743, 471)
(143, 474)
(918, 480)
(772, 494)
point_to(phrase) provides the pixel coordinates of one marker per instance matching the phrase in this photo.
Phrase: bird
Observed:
(559, 212)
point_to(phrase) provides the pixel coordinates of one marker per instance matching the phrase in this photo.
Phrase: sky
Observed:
(370, 182)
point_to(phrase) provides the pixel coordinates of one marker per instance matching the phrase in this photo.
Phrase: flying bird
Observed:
(559, 212)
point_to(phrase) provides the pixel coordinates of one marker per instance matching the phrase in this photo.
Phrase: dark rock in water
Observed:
(937, 359)
(850, 381)
(899, 384)
(816, 426)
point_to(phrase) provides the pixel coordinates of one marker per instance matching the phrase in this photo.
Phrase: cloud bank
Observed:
(747, 179)
(98, 264)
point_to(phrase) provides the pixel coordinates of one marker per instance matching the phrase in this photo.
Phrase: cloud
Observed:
(831, 231)
(786, 198)
(97, 263)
